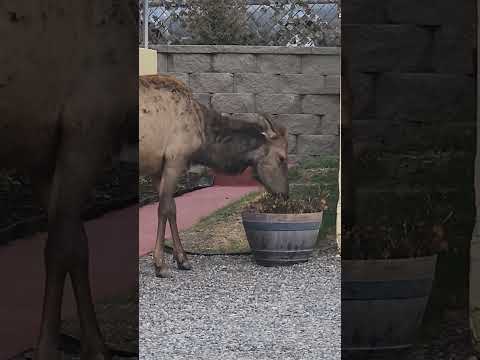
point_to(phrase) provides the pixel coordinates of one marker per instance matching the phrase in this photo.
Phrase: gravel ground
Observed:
(230, 308)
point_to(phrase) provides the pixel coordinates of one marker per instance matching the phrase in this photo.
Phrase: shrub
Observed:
(234, 22)
(217, 22)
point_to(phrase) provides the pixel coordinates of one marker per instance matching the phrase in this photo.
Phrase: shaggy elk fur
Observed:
(67, 89)
(176, 131)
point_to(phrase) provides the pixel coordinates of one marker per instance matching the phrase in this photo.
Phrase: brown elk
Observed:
(66, 92)
(176, 131)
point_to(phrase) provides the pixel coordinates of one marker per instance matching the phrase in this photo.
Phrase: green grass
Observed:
(320, 173)
(325, 162)
(220, 232)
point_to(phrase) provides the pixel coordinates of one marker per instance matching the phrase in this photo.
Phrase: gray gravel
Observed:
(230, 308)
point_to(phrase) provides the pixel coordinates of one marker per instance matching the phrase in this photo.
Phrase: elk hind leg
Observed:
(180, 256)
(161, 269)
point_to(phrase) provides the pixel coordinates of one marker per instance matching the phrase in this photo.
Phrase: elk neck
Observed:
(230, 145)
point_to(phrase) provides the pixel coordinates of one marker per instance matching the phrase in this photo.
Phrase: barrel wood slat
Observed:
(282, 239)
(383, 301)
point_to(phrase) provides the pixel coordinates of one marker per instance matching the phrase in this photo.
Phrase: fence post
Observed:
(145, 24)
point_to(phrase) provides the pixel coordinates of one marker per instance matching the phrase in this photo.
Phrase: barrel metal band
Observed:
(261, 226)
(383, 290)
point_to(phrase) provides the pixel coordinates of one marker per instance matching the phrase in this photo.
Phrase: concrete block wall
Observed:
(413, 68)
(298, 87)
(413, 81)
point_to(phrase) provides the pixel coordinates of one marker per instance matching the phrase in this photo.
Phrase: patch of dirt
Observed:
(220, 233)
(223, 237)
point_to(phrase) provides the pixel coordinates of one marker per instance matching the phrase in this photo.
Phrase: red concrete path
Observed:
(114, 261)
(113, 269)
(191, 207)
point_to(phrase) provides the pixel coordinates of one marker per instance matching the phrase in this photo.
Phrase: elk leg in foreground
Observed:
(66, 252)
(93, 346)
(165, 184)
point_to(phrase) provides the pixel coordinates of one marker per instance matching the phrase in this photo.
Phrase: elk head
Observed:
(270, 160)
(233, 144)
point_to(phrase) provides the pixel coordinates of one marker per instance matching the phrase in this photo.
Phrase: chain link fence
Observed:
(240, 22)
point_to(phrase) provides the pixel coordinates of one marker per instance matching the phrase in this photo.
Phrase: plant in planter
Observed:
(388, 268)
(284, 231)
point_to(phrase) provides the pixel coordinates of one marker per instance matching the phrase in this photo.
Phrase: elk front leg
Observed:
(165, 184)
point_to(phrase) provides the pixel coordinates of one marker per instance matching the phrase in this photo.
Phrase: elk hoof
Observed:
(184, 265)
(162, 272)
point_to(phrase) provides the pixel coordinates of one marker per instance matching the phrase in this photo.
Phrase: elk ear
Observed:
(268, 128)
(270, 135)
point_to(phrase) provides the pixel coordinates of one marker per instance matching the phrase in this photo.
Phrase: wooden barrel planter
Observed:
(281, 239)
(383, 301)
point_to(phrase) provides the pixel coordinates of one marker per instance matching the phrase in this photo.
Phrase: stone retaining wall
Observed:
(412, 68)
(299, 87)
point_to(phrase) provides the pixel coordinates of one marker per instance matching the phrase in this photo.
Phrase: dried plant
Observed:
(408, 229)
(307, 199)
